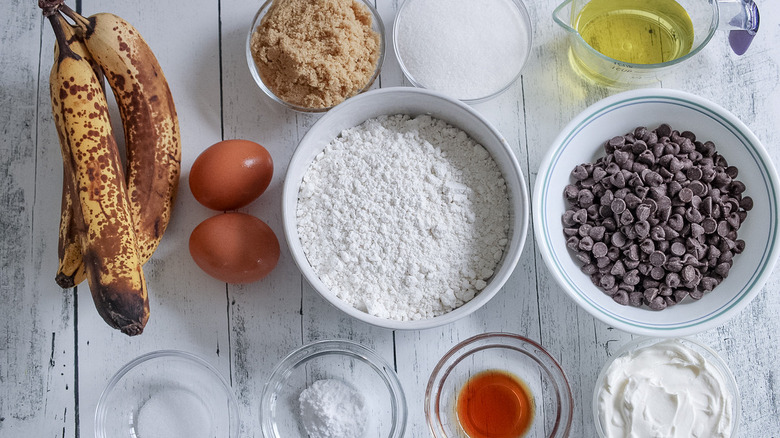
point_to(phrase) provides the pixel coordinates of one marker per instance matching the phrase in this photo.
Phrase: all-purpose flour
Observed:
(404, 218)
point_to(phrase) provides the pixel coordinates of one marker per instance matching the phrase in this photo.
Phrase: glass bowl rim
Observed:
(376, 22)
(525, 16)
(460, 351)
(341, 347)
(100, 410)
(705, 350)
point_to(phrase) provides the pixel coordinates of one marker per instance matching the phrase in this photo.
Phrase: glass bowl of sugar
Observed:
(472, 51)
(170, 394)
(333, 388)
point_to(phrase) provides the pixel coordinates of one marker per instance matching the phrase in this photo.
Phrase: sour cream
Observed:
(665, 390)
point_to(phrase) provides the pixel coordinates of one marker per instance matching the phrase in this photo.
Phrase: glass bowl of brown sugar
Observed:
(312, 55)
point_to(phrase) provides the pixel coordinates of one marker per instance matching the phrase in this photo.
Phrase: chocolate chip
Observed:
(599, 174)
(631, 277)
(657, 258)
(723, 228)
(618, 269)
(689, 274)
(618, 206)
(621, 297)
(657, 273)
(733, 220)
(686, 194)
(647, 246)
(600, 249)
(626, 218)
(586, 243)
(617, 141)
(708, 283)
(618, 239)
(579, 172)
(657, 303)
(723, 269)
(672, 280)
(635, 299)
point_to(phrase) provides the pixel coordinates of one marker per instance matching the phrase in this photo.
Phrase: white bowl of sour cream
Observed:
(674, 387)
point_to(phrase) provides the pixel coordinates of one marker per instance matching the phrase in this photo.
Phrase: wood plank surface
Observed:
(58, 354)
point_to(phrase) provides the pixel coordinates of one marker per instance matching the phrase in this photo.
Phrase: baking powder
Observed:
(404, 218)
(332, 409)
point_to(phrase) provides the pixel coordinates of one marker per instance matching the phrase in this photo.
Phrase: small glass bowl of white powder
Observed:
(167, 394)
(470, 50)
(333, 389)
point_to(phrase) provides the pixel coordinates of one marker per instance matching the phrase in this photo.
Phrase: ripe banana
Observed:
(70, 271)
(149, 118)
(91, 158)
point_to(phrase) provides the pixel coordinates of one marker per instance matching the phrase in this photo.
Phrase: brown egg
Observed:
(234, 247)
(231, 174)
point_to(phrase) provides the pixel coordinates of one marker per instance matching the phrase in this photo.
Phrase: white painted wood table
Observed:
(57, 354)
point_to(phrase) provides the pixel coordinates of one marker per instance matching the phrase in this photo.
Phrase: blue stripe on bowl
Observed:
(765, 259)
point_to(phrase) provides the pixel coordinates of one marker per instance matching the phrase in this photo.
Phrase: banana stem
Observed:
(62, 40)
(84, 23)
(50, 7)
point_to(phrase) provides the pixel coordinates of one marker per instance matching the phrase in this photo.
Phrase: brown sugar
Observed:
(315, 53)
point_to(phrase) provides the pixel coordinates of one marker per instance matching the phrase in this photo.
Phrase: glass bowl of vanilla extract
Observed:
(498, 384)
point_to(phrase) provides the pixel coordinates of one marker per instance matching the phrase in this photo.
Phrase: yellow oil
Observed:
(636, 31)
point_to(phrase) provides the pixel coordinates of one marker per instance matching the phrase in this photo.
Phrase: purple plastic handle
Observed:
(740, 39)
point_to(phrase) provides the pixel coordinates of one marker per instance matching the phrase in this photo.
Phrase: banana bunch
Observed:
(112, 217)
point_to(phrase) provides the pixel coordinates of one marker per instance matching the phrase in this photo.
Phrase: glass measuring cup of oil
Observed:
(621, 43)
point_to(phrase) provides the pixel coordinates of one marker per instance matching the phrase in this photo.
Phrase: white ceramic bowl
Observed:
(581, 141)
(708, 353)
(412, 101)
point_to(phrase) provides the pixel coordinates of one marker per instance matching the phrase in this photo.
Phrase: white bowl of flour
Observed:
(405, 208)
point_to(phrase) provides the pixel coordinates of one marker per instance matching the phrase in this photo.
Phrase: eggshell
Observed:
(234, 247)
(231, 174)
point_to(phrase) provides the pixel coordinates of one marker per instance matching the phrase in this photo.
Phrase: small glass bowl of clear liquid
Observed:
(622, 43)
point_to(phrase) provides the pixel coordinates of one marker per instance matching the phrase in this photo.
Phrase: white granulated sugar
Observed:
(404, 218)
(467, 48)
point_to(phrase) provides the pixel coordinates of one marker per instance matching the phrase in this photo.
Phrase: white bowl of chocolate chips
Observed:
(657, 212)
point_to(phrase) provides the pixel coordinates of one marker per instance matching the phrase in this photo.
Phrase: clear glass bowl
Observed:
(376, 24)
(521, 357)
(346, 361)
(694, 345)
(169, 394)
(405, 63)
